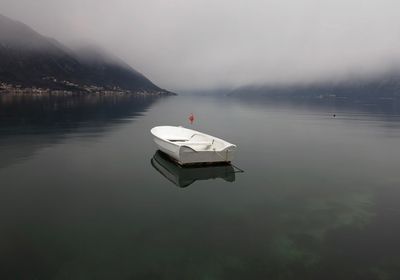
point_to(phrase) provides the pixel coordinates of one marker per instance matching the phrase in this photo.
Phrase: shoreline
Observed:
(17, 90)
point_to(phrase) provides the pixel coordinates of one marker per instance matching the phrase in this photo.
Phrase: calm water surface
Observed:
(84, 195)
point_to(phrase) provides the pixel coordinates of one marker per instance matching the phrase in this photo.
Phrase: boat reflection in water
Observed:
(185, 176)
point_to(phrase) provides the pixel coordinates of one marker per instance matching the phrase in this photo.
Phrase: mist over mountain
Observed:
(206, 45)
(29, 59)
(385, 86)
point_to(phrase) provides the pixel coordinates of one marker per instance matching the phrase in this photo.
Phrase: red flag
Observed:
(191, 118)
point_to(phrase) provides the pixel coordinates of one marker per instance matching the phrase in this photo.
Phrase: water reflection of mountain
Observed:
(185, 176)
(30, 123)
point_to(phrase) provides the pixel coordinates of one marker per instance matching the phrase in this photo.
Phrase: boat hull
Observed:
(185, 154)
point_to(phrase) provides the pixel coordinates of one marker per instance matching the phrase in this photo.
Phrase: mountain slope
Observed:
(32, 60)
(386, 86)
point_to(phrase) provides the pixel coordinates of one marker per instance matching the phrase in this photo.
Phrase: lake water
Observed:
(82, 196)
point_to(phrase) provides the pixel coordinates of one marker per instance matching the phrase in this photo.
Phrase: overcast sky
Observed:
(201, 44)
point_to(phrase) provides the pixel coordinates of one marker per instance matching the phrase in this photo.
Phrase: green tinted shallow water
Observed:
(81, 199)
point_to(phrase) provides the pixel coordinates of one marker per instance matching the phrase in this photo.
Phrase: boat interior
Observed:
(186, 137)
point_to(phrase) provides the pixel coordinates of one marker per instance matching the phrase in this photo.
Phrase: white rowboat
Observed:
(187, 146)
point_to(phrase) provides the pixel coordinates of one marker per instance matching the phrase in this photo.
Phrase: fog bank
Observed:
(202, 44)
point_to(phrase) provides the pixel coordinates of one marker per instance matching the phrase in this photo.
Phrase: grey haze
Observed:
(203, 44)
